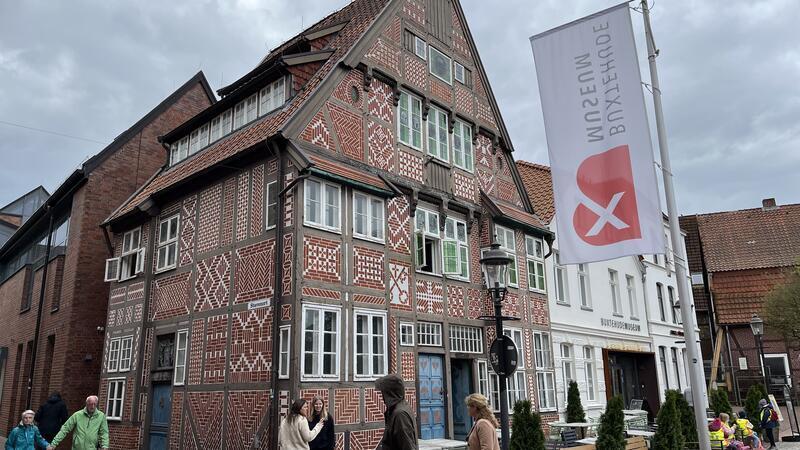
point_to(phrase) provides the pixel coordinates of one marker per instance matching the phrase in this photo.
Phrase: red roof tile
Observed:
(740, 294)
(521, 216)
(538, 183)
(342, 170)
(359, 13)
(751, 238)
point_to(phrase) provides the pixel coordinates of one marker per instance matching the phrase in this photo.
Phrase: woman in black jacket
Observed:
(326, 439)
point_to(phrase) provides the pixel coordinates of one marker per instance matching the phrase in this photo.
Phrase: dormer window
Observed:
(271, 97)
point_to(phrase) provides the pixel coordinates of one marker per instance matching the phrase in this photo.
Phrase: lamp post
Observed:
(495, 271)
(757, 326)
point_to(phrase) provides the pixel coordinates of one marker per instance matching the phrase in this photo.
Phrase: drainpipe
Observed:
(41, 305)
(276, 296)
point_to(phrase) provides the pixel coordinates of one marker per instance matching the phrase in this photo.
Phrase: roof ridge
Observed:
(534, 165)
(754, 209)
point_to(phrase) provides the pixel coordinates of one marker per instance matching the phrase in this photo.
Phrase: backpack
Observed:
(773, 415)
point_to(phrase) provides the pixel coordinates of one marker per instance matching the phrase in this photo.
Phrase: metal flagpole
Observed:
(696, 374)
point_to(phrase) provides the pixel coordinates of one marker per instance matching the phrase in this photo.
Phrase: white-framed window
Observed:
(676, 366)
(455, 249)
(542, 351)
(368, 217)
(227, 121)
(630, 283)
(534, 254)
(251, 108)
(116, 398)
(272, 204)
(322, 200)
(483, 382)
(672, 305)
(238, 115)
(515, 384)
(409, 120)
(567, 363)
(420, 47)
(459, 72)
(181, 345)
(131, 262)
(462, 146)
(285, 342)
(505, 237)
(547, 390)
(203, 137)
(429, 334)
(119, 354)
(440, 65)
(194, 141)
(321, 329)
(661, 309)
(466, 339)
(583, 286)
(370, 344)
(589, 373)
(271, 97)
(167, 247)
(406, 334)
(662, 355)
(560, 280)
(438, 138)
(427, 241)
(616, 301)
(216, 128)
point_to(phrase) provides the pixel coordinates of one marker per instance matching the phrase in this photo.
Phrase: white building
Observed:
(607, 329)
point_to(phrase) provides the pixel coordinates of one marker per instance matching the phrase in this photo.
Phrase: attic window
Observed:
(415, 44)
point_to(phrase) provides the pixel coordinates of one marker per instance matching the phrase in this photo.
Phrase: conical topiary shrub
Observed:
(527, 428)
(670, 434)
(686, 416)
(754, 395)
(719, 403)
(611, 432)
(575, 411)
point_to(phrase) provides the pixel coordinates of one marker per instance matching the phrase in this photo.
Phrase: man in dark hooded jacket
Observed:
(401, 428)
(51, 416)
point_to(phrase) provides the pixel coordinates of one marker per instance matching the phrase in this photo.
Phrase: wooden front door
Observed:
(431, 397)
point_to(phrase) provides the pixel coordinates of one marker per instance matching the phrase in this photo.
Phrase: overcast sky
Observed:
(90, 69)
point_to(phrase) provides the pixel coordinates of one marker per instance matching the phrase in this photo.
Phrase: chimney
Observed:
(768, 204)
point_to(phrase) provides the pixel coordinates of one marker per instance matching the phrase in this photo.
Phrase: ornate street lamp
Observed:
(495, 272)
(757, 326)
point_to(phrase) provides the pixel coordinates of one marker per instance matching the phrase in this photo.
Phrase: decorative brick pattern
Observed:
(399, 276)
(392, 344)
(475, 272)
(211, 286)
(365, 439)
(380, 142)
(257, 216)
(339, 441)
(142, 406)
(392, 31)
(399, 225)
(228, 211)
(318, 132)
(415, 10)
(206, 413)
(477, 84)
(188, 217)
(242, 206)
(483, 151)
(455, 301)
(522, 268)
(251, 346)
(464, 186)
(286, 283)
(148, 350)
(353, 80)
(321, 293)
(349, 129)
(136, 292)
(539, 312)
(346, 406)
(373, 405)
(532, 395)
(485, 114)
(507, 191)
(485, 180)
(442, 91)
(490, 336)
(288, 202)
(380, 101)
(464, 100)
(309, 394)
(411, 399)
(195, 351)
(188, 435)
(416, 72)
(272, 166)
(216, 350)
(408, 366)
(368, 299)
(429, 297)
(169, 297)
(475, 303)
(245, 412)
(176, 420)
(208, 229)
(385, 55)
(284, 403)
(255, 271)
(321, 259)
(286, 313)
(410, 165)
(117, 295)
(527, 348)
(368, 268)
(511, 305)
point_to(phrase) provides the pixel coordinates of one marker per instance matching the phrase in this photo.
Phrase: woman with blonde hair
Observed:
(326, 439)
(483, 435)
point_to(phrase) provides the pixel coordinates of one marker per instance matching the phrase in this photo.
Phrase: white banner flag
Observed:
(606, 197)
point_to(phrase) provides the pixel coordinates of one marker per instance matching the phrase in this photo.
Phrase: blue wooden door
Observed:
(431, 397)
(461, 385)
(159, 421)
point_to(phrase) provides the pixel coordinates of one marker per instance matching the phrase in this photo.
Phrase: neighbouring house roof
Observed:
(740, 294)
(750, 238)
(538, 183)
(359, 15)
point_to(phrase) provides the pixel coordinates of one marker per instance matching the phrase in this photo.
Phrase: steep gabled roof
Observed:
(754, 238)
(538, 183)
(359, 15)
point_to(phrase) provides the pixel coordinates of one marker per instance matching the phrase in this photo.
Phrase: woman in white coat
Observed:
(295, 433)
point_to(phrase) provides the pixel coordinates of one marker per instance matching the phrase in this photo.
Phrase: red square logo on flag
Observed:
(607, 212)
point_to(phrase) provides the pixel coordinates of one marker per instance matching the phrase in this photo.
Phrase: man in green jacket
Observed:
(91, 428)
